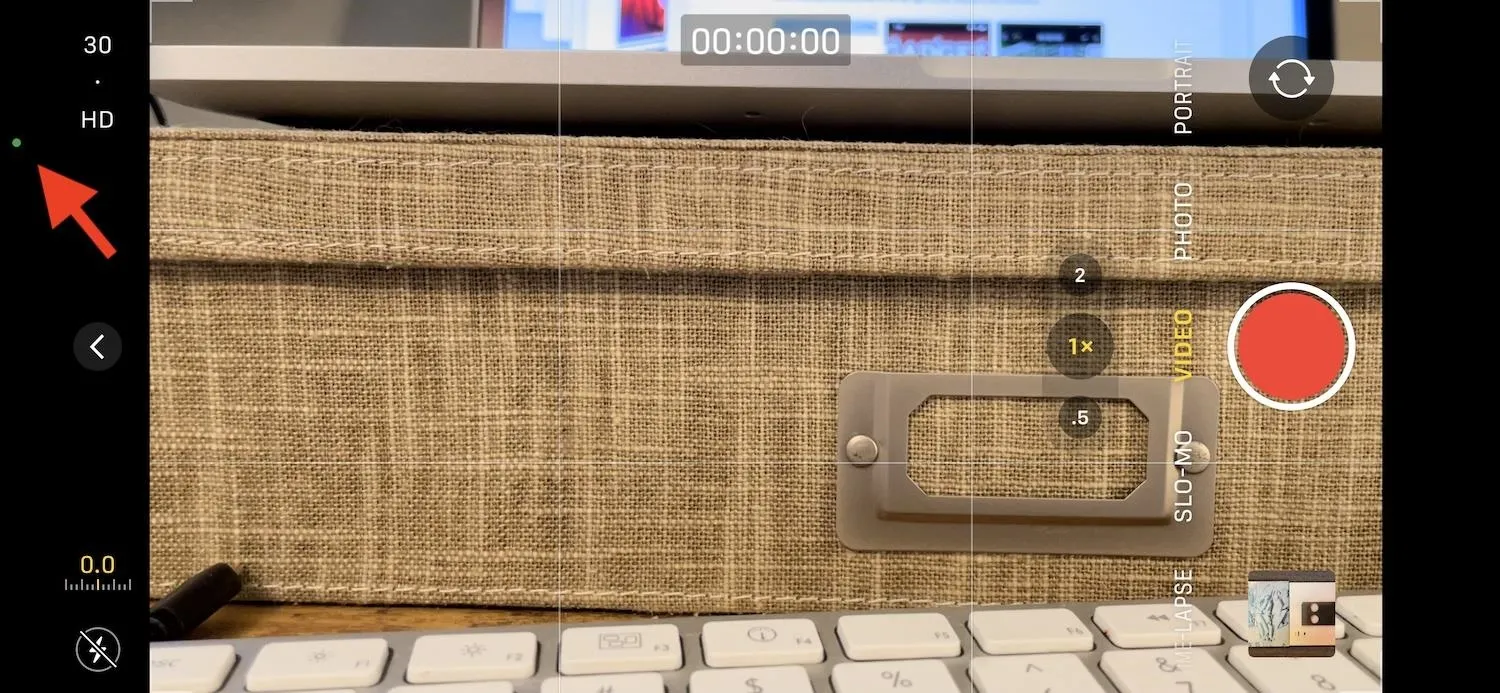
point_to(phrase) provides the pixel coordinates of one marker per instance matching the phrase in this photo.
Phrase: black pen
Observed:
(188, 606)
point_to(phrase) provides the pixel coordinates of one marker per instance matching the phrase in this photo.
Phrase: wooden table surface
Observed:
(241, 620)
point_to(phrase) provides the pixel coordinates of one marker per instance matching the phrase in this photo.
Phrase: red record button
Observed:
(1291, 346)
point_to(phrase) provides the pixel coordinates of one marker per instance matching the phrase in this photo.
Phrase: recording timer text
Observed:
(779, 40)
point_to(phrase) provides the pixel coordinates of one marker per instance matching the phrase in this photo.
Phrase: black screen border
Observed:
(80, 477)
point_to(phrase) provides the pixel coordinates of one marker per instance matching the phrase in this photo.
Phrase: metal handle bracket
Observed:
(880, 507)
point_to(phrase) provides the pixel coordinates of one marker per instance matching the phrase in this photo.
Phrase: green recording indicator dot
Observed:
(15, 142)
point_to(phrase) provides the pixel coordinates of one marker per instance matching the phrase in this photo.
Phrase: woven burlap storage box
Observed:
(604, 372)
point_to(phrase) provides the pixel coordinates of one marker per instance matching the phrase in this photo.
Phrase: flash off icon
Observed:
(97, 649)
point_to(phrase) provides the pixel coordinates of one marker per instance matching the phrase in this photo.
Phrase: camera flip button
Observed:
(1286, 83)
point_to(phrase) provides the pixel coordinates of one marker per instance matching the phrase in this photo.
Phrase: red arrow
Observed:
(65, 198)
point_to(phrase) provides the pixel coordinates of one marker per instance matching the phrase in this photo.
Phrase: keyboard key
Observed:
(619, 683)
(897, 636)
(1367, 652)
(753, 680)
(1301, 674)
(471, 687)
(761, 643)
(190, 668)
(1030, 631)
(1236, 615)
(910, 676)
(619, 650)
(1156, 625)
(1037, 673)
(303, 664)
(1363, 612)
(1173, 670)
(472, 657)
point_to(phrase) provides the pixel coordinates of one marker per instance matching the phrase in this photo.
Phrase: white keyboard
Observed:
(1136, 647)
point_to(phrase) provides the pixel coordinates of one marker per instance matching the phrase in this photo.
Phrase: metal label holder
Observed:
(880, 508)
